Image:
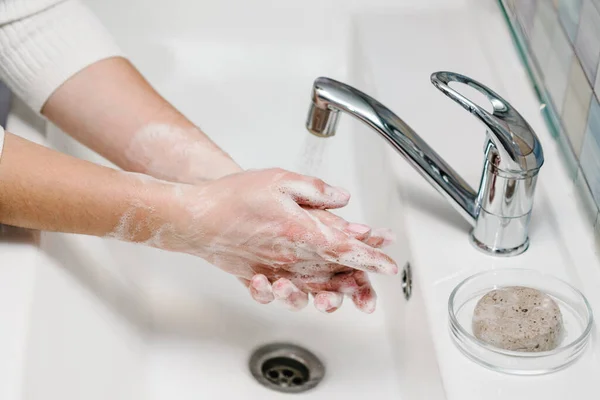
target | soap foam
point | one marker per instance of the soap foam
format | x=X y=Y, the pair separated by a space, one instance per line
x=248 y=224
x=178 y=154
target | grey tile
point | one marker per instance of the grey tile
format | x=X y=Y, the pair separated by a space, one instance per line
x=571 y=163
x=597 y=235
x=576 y=106
x=585 y=198
x=568 y=11
x=544 y=23
x=590 y=152
x=539 y=44
x=525 y=12
x=547 y=13
x=557 y=68
x=597 y=83
x=587 y=44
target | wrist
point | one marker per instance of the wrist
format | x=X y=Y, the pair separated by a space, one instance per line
x=215 y=164
x=148 y=207
x=178 y=153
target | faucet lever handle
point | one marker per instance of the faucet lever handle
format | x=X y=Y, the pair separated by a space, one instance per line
x=519 y=148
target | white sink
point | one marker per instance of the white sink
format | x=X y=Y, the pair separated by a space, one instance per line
x=113 y=320
x=119 y=321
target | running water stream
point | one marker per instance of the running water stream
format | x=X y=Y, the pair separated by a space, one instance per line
x=311 y=159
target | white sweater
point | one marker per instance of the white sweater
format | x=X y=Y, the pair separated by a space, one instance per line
x=44 y=42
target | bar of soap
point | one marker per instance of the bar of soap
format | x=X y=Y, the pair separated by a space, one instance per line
x=518 y=318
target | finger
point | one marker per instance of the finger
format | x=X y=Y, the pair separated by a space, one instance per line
x=381 y=238
x=364 y=297
x=375 y=241
x=358 y=255
x=313 y=192
x=292 y=297
x=342 y=282
x=260 y=289
x=357 y=231
x=328 y=302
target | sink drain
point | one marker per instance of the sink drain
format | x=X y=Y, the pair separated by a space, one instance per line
x=286 y=368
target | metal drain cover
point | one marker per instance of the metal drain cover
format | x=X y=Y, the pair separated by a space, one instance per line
x=286 y=367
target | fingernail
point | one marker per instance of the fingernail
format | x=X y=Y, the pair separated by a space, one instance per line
x=322 y=304
x=260 y=289
x=328 y=302
x=260 y=283
x=263 y=297
x=343 y=191
x=389 y=268
x=297 y=300
x=365 y=299
x=283 y=289
x=369 y=307
x=337 y=191
x=359 y=229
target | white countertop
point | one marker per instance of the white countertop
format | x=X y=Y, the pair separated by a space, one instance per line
x=476 y=42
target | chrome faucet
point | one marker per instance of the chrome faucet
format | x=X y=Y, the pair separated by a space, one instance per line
x=500 y=211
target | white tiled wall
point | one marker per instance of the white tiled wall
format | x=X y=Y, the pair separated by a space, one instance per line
x=563 y=43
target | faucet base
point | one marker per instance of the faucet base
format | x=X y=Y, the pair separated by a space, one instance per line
x=498 y=252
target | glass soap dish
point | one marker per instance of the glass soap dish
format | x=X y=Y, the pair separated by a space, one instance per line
x=575 y=309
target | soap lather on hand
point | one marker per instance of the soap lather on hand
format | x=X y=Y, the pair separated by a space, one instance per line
x=518 y=318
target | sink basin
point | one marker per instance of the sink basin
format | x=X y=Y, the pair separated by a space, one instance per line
x=98 y=319
x=120 y=321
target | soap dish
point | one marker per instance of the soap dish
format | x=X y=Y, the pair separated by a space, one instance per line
x=575 y=309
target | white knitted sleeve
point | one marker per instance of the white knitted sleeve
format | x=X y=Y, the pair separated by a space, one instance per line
x=45 y=42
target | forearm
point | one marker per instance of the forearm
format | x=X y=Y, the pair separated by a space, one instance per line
x=112 y=109
x=60 y=60
x=47 y=190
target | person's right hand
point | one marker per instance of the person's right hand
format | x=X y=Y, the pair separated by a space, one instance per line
x=328 y=293
x=259 y=222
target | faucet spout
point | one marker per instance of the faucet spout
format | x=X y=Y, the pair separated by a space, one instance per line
x=330 y=97
x=500 y=210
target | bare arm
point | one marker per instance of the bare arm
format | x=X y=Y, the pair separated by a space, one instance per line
x=59 y=58
x=112 y=109
x=43 y=189
x=71 y=71
x=254 y=235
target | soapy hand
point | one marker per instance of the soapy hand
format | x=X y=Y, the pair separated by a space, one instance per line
x=328 y=289
x=247 y=224
x=272 y=223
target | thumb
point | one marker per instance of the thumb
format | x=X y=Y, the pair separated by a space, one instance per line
x=313 y=192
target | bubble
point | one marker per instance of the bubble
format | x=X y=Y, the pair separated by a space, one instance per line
x=170 y=152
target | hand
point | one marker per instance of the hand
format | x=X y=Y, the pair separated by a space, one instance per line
x=146 y=134
x=328 y=289
x=256 y=223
